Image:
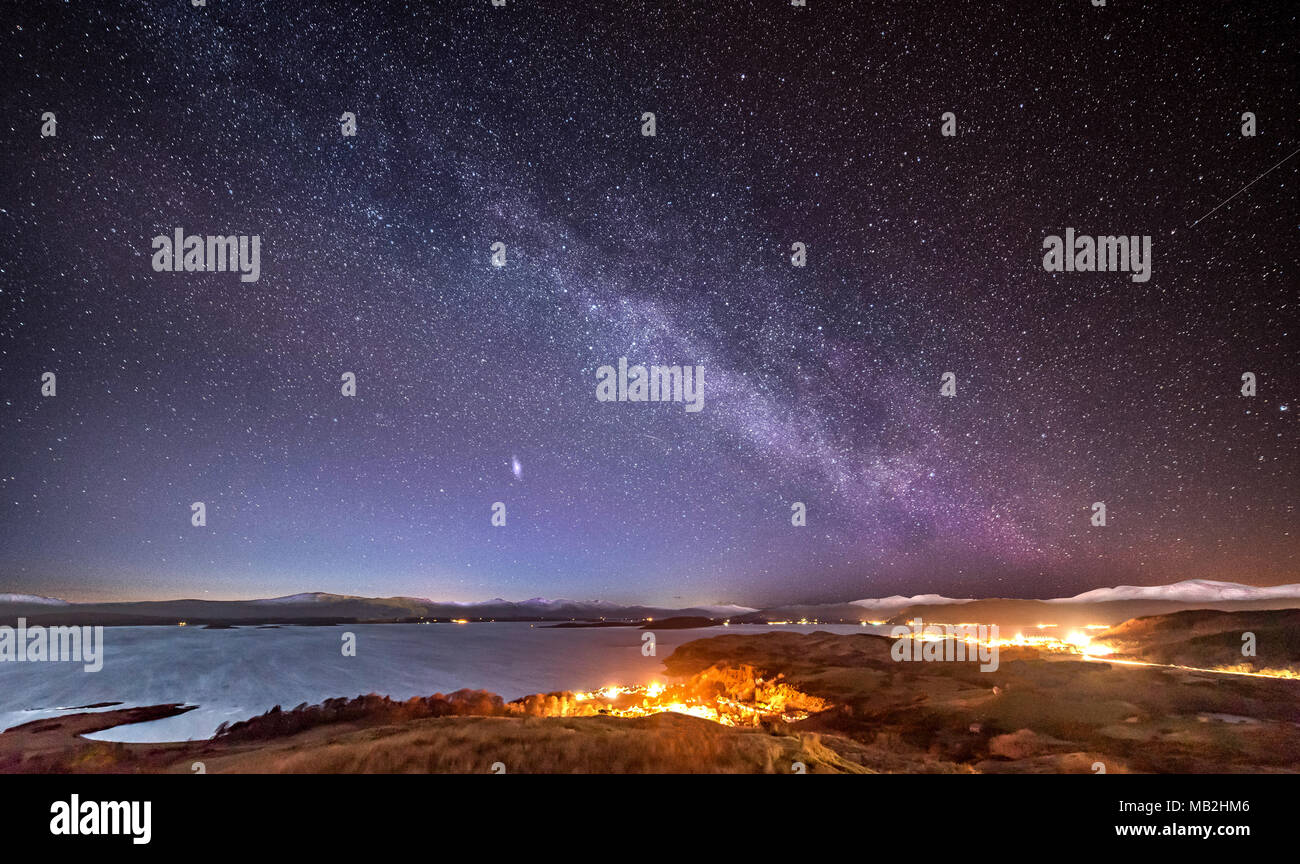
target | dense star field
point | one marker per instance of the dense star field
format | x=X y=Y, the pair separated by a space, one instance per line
x=476 y=383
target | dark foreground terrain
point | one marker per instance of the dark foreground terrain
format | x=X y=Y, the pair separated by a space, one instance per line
x=1038 y=712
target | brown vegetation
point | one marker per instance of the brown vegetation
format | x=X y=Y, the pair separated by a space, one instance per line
x=1035 y=713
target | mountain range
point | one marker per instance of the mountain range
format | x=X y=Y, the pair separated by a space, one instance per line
x=322 y=608
x=1100 y=606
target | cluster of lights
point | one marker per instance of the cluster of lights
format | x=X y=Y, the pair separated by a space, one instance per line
x=656 y=698
x=1075 y=642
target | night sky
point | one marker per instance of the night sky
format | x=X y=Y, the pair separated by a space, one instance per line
x=476 y=383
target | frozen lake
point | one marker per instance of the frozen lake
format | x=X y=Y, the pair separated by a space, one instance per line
x=236 y=674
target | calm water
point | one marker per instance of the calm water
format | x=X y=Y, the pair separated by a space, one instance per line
x=236 y=674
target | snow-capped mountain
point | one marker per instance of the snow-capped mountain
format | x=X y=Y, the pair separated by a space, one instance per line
x=318 y=607
x=1189 y=591
x=1103 y=605
x=898 y=601
x=33 y=599
x=309 y=597
x=727 y=610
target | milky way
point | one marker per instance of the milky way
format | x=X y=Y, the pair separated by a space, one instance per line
x=522 y=125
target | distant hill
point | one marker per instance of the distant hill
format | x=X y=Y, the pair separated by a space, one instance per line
x=1209 y=639
x=321 y=608
x=1107 y=606
x=1012 y=615
x=1104 y=606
